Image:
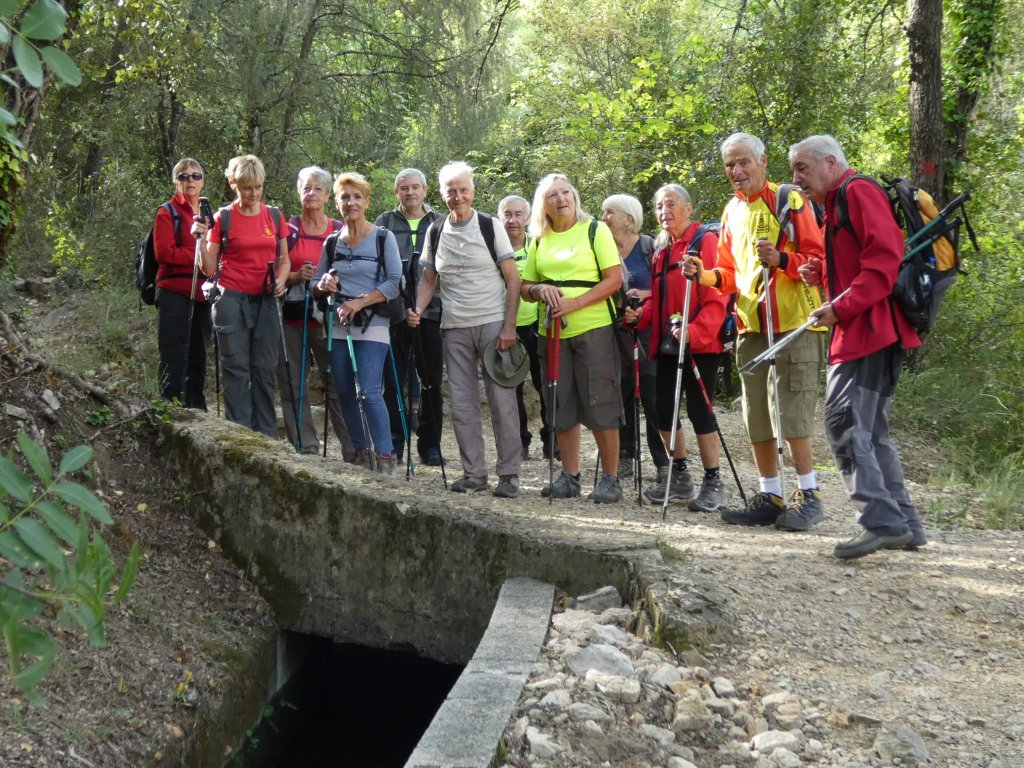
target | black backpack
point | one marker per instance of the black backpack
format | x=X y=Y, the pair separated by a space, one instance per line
x=922 y=280
x=394 y=309
x=486 y=230
x=146 y=265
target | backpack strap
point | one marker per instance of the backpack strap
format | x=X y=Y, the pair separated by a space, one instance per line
x=176 y=219
x=487 y=230
x=382 y=235
x=647 y=249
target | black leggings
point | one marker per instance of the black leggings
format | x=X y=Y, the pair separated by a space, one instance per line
x=696 y=409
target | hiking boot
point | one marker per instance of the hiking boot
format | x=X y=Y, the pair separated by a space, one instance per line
x=431 y=457
x=873 y=540
x=920 y=538
x=566 y=486
x=680 y=490
x=364 y=459
x=507 y=487
x=470 y=484
x=710 y=498
x=607 y=491
x=625 y=466
x=548 y=449
x=386 y=464
x=524 y=455
x=763 y=509
x=803 y=512
x=663 y=473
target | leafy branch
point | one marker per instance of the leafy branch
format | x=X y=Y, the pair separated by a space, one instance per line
x=51 y=560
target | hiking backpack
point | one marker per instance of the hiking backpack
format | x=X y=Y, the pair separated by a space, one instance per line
x=931 y=259
x=146 y=265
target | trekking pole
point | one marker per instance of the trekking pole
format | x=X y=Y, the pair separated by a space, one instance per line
x=329 y=318
x=777 y=416
x=426 y=385
x=268 y=286
x=683 y=326
x=204 y=212
x=401 y=415
x=304 y=362
x=553 y=341
x=721 y=437
x=360 y=398
x=773 y=350
x=637 y=477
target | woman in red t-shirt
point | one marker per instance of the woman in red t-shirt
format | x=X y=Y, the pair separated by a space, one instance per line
x=303 y=334
x=183 y=316
x=247 y=253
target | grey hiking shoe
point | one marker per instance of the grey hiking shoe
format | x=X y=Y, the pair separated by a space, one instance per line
x=386 y=464
x=608 y=490
x=625 y=466
x=365 y=459
x=507 y=487
x=803 y=512
x=566 y=486
x=680 y=490
x=763 y=509
x=470 y=484
x=710 y=498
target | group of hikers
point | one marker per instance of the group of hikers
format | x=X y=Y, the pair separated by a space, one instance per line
x=605 y=321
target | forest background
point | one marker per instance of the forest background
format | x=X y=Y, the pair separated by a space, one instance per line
x=621 y=97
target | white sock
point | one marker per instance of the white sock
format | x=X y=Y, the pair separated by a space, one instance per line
x=770 y=485
x=808 y=482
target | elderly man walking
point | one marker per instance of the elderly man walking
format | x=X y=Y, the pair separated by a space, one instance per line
x=771 y=230
x=408 y=221
x=867 y=346
x=468 y=260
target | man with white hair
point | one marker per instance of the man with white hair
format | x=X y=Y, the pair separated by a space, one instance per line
x=468 y=260
x=408 y=221
x=769 y=226
x=869 y=336
x=514 y=214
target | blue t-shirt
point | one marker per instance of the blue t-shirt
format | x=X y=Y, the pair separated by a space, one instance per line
x=639 y=272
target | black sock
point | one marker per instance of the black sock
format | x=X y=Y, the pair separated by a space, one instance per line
x=711 y=473
x=679 y=465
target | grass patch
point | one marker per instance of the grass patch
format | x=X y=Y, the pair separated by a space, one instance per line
x=670 y=552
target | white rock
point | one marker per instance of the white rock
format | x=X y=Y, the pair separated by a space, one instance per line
x=773 y=700
x=661 y=735
x=16 y=412
x=896 y=741
x=601 y=600
x=723 y=707
x=574 y=622
x=519 y=729
x=50 y=400
x=609 y=634
x=548 y=682
x=665 y=676
x=558 y=699
x=690 y=715
x=589 y=726
x=603 y=658
x=678 y=762
x=581 y=710
x=783 y=758
x=542 y=745
x=624 y=689
x=724 y=688
x=769 y=741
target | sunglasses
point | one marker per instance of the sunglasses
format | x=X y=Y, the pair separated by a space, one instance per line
x=186 y=176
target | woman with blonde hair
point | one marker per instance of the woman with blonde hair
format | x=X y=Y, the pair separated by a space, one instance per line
x=573 y=267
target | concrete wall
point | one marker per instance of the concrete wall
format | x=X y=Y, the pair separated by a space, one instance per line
x=364 y=559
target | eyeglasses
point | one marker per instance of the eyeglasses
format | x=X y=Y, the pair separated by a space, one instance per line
x=196 y=176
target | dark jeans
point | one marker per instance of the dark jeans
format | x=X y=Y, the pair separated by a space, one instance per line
x=172 y=333
x=528 y=335
x=648 y=399
x=425 y=347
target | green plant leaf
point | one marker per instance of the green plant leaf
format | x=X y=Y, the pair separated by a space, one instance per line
x=75 y=459
x=35 y=643
x=83 y=498
x=62 y=65
x=28 y=61
x=131 y=570
x=5 y=36
x=39 y=539
x=36 y=458
x=14 y=481
x=6 y=118
x=14 y=549
x=9 y=7
x=60 y=522
x=44 y=21
x=103 y=569
x=17 y=604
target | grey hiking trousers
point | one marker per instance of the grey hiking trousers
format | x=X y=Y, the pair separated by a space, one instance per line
x=858 y=396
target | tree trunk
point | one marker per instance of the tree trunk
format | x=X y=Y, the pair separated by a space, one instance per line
x=298 y=76
x=927 y=130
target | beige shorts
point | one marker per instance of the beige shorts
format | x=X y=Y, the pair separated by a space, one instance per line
x=588 y=381
x=799 y=366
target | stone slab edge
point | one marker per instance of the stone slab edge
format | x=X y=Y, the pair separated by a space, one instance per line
x=467 y=729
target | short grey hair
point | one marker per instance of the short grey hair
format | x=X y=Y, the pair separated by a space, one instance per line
x=819 y=147
x=675 y=189
x=454 y=170
x=407 y=172
x=628 y=205
x=316 y=173
x=752 y=143
x=507 y=201
x=540 y=224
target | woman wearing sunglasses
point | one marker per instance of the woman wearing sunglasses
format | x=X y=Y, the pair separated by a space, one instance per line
x=179 y=296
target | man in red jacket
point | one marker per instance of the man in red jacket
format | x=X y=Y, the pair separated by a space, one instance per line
x=869 y=337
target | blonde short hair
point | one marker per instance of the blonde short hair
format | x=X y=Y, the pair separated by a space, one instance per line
x=351 y=179
x=245 y=169
x=540 y=224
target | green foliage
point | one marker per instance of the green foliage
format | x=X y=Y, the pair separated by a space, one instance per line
x=53 y=558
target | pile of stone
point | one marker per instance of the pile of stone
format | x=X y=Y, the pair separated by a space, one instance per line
x=600 y=696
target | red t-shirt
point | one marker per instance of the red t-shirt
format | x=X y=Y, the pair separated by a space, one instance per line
x=252 y=242
x=308 y=247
